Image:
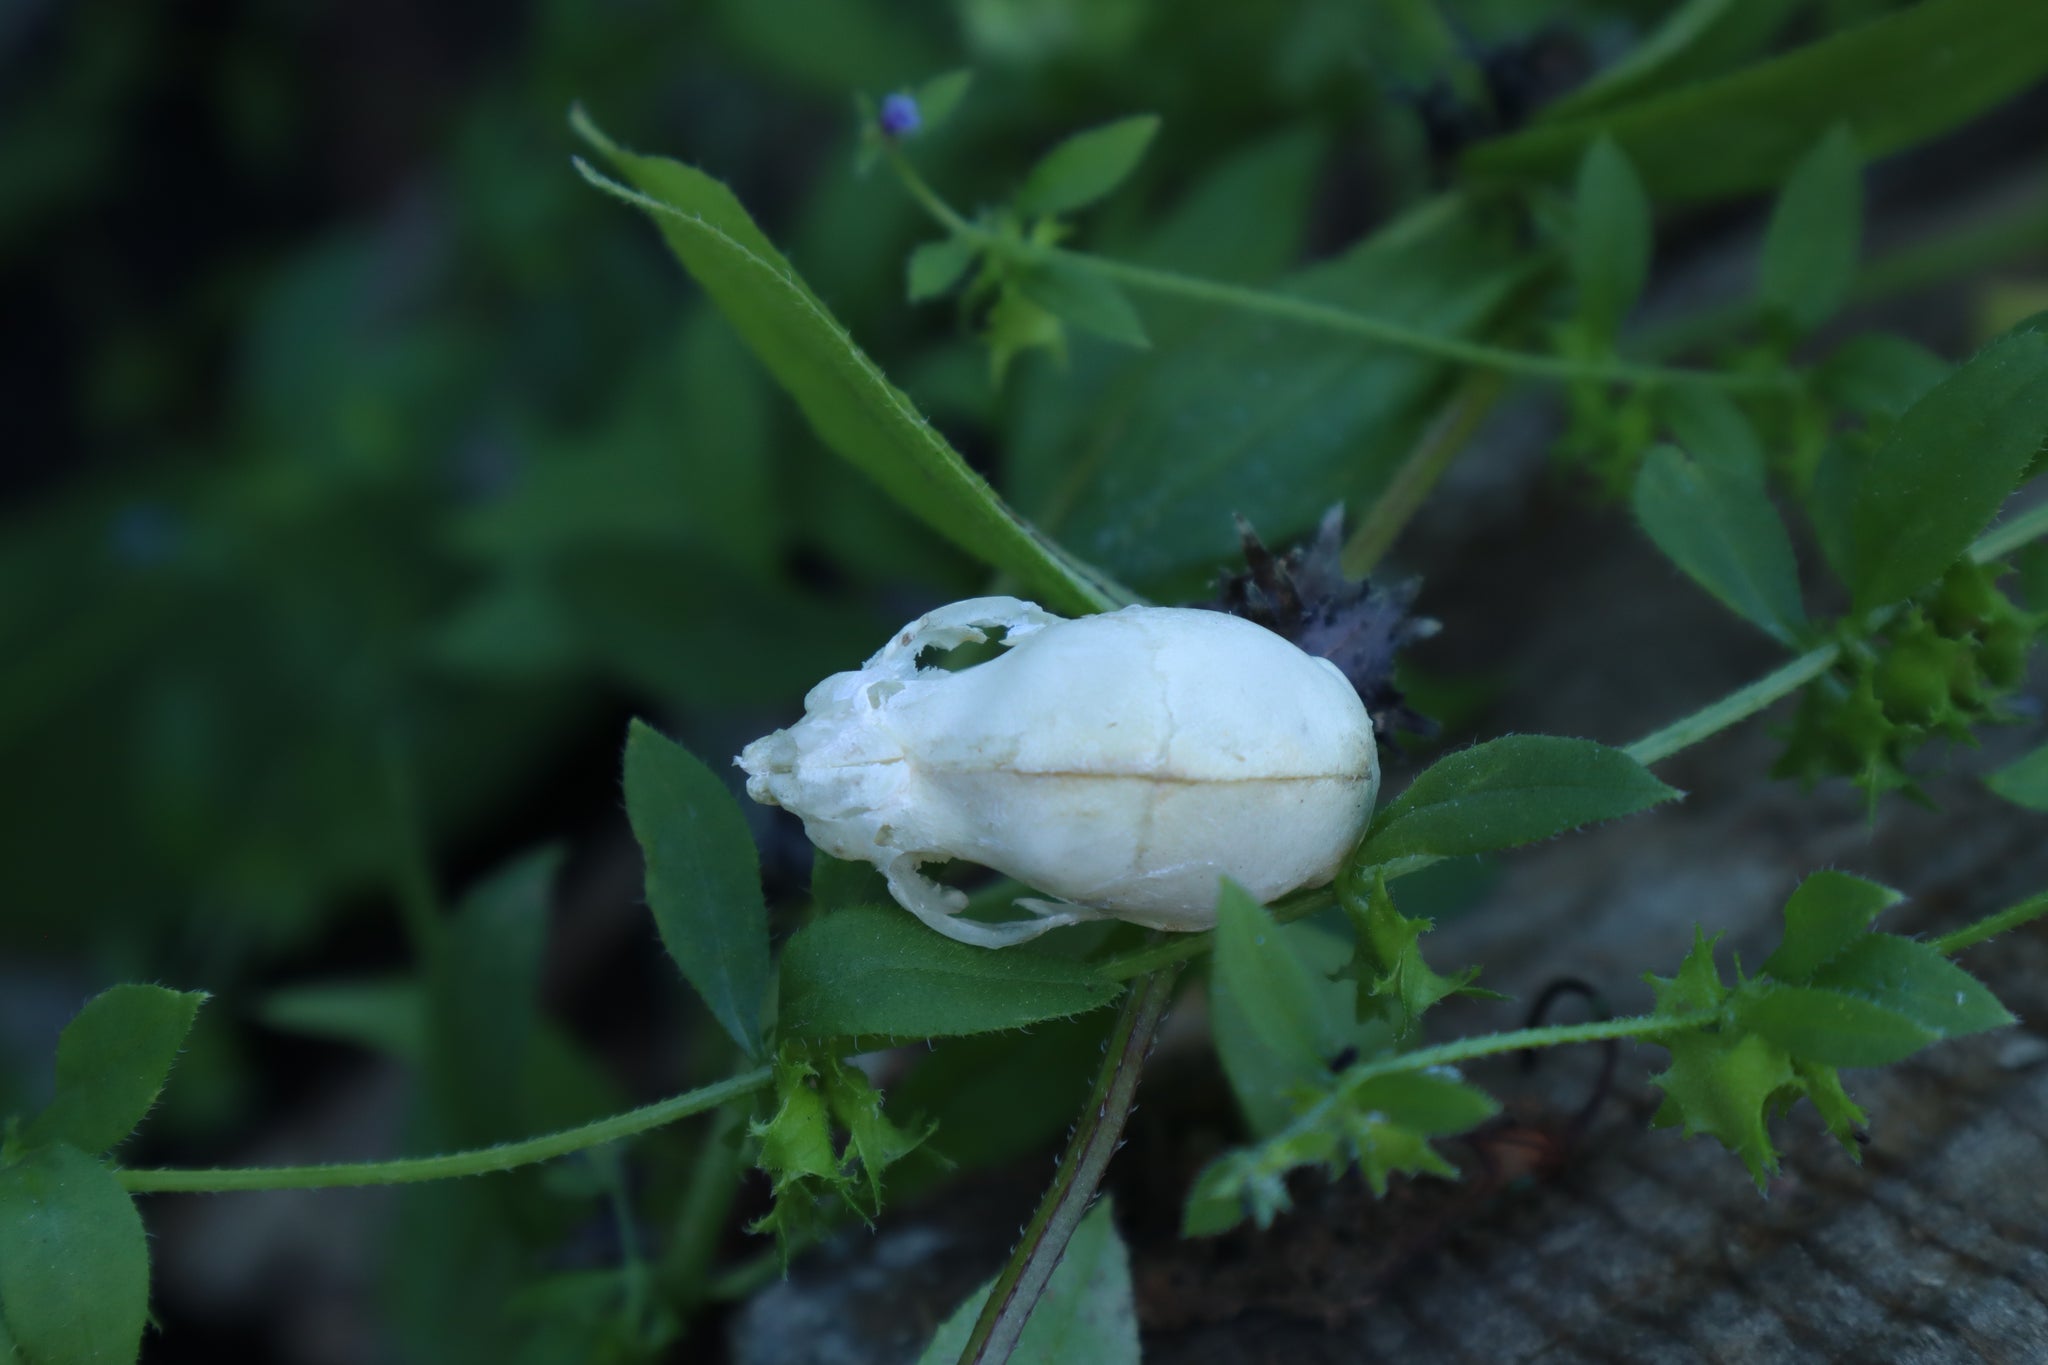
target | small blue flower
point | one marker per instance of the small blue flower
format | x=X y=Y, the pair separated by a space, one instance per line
x=899 y=116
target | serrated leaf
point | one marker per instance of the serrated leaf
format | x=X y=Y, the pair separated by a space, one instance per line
x=1721 y=1085
x=1833 y=1028
x=875 y=972
x=1270 y=1036
x=703 y=879
x=1947 y=467
x=1510 y=791
x=938 y=97
x=1611 y=236
x=1815 y=235
x=1722 y=530
x=1085 y=1314
x=872 y=1140
x=937 y=266
x=1395 y=984
x=2025 y=782
x=1896 y=80
x=1086 y=166
x=112 y=1061
x=1708 y=426
x=1085 y=299
x=1823 y=1085
x=74 y=1263
x=1917 y=981
x=1825 y=914
x=851 y=405
x=1696 y=985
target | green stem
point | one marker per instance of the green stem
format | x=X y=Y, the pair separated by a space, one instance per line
x=481 y=1161
x=1095 y=1140
x=2006 y=920
x=1290 y=308
x=2028 y=526
x=1640 y=1026
x=1738 y=705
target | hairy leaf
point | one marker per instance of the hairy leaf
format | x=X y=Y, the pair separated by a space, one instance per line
x=1611 y=236
x=1947 y=467
x=1510 y=791
x=1828 y=912
x=849 y=402
x=1086 y=1313
x=2025 y=782
x=112 y=1061
x=74 y=1264
x=875 y=972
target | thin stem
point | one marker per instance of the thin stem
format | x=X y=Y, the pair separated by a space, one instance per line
x=1308 y=312
x=1096 y=1138
x=1738 y=705
x=1638 y=1026
x=2006 y=920
x=2029 y=525
x=714 y=1183
x=1425 y=464
x=481 y=1161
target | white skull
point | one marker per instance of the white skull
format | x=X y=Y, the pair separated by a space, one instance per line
x=1122 y=763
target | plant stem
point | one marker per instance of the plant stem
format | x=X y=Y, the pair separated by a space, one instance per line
x=481 y=1161
x=1424 y=465
x=1738 y=705
x=1292 y=308
x=2010 y=918
x=1638 y=1026
x=1095 y=1140
x=2001 y=541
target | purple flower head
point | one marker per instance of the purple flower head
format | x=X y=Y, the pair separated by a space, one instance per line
x=899 y=116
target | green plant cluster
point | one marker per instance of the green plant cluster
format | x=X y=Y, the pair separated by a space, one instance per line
x=363 y=647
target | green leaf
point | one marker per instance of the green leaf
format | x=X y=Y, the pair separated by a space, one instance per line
x=1270 y=1036
x=1699 y=38
x=1708 y=426
x=938 y=97
x=1832 y=1028
x=1895 y=81
x=1085 y=299
x=112 y=1061
x=1271 y=420
x=847 y=400
x=1611 y=237
x=937 y=266
x=836 y=884
x=876 y=972
x=1946 y=468
x=1510 y=791
x=384 y=1013
x=1086 y=1313
x=872 y=1140
x=2024 y=783
x=1696 y=985
x=703 y=880
x=1721 y=1084
x=483 y=997
x=1815 y=236
x=1879 y=374
x=1825 y=914
x=1723 y=531
x=1086 y=166
x=1395 y=985
x=1917 y=981
x=74 y=1263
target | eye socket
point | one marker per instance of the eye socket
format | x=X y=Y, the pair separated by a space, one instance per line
x=881 y=691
